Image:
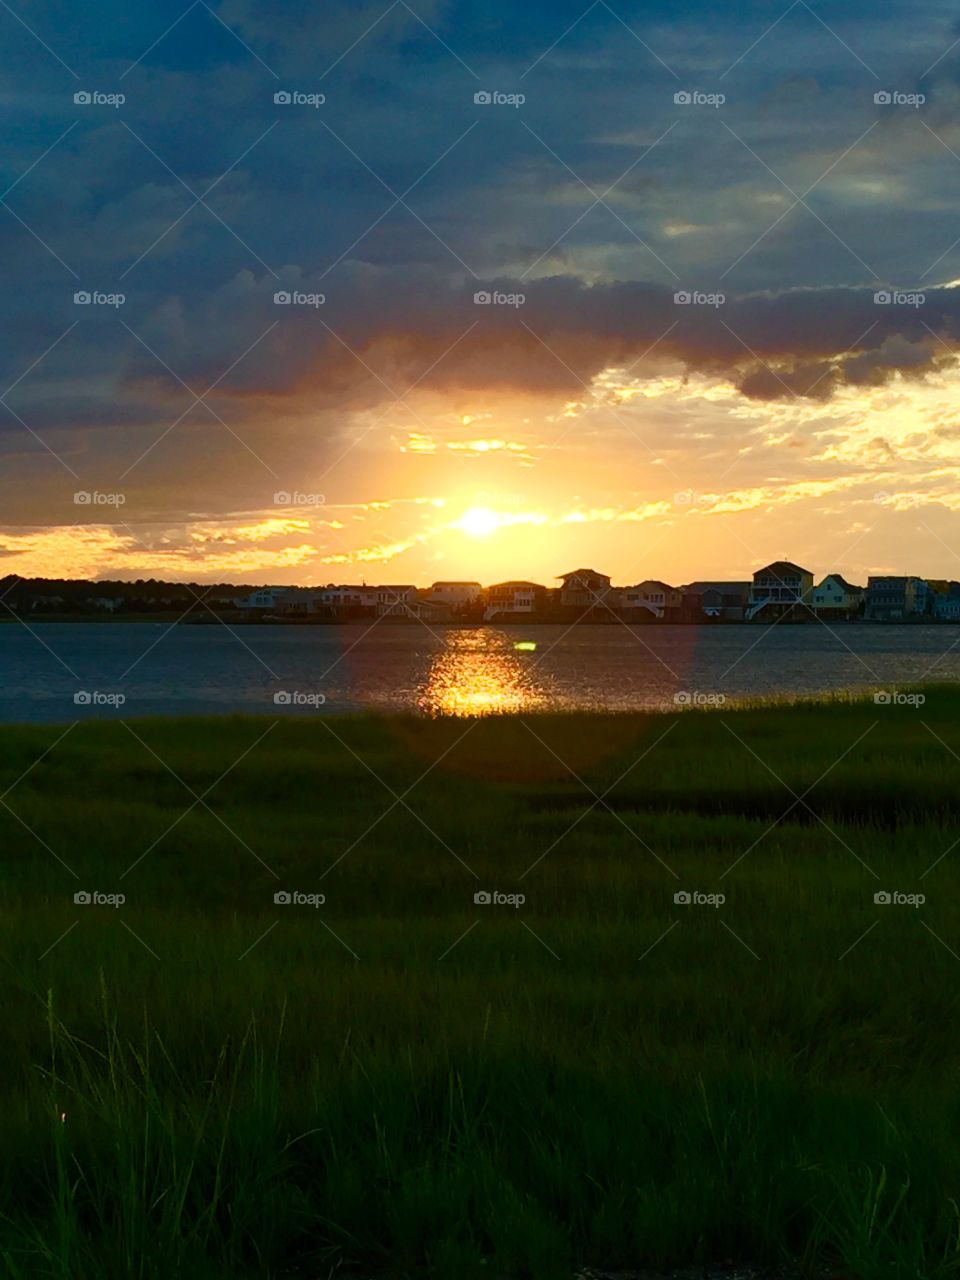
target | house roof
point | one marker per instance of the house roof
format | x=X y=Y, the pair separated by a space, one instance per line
x=456 y=582
x=838 y=577
x=781 y=567
x=517 y=584
x=582 y=573
x=651 y=582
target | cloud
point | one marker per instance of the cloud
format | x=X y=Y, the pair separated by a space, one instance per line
x=402 y=331
x=783 y=375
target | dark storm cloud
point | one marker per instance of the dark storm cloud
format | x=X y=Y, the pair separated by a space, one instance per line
x=800 y=342
x=297 y=198
x=379 y=333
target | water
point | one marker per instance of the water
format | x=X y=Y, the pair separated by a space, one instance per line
x=163 y=669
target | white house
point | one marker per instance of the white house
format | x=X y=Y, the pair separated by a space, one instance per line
x=281 y=600
x=835 y=596
x=346 y=597
x=397 y=601
x=650 y=599
x=265 y=598
x=453 y=593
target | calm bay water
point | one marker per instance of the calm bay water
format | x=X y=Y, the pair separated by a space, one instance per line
x=175 y=670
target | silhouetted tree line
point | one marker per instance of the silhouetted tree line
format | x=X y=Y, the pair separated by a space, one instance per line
x=83 y=596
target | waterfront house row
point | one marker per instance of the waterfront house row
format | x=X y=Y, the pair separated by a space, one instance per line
x=780 y=590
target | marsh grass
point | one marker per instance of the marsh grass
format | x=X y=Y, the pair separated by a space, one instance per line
x=201 y=1083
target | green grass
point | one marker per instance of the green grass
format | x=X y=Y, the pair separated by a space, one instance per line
x=201 y=1083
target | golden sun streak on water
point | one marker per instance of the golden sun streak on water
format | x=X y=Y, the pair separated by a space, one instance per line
x=480 y=673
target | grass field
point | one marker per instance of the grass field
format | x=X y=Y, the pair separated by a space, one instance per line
x=204 y=1083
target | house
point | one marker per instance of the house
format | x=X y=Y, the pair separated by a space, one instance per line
x=278 y=600
x=588 y=596
x=397 y=602
x=650 y=599
x=725 y=601
x=946 y=605
x=943 y=600
x=777 y=588
x=266 y=598
x=298 y=601
x=430 y=611
x=454 y=594
x=449 y=601
x=42 y=603
x=894 y=597
x=345 y=601
x=837 y=598
x=508 y=599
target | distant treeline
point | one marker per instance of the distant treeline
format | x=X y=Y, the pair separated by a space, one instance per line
x=82 y=595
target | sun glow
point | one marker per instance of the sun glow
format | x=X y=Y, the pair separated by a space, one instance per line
x=480 y=522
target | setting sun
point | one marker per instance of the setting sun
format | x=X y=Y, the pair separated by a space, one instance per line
x=480 y=522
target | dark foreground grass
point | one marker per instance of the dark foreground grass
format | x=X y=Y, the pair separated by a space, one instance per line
x=203 y=1083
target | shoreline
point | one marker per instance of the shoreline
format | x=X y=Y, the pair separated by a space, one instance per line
x=865 y=696
x=178 y=618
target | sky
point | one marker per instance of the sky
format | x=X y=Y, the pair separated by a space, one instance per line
x=403 y=292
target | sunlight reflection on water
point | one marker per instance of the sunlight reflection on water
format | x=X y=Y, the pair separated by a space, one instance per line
x=481 y=673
